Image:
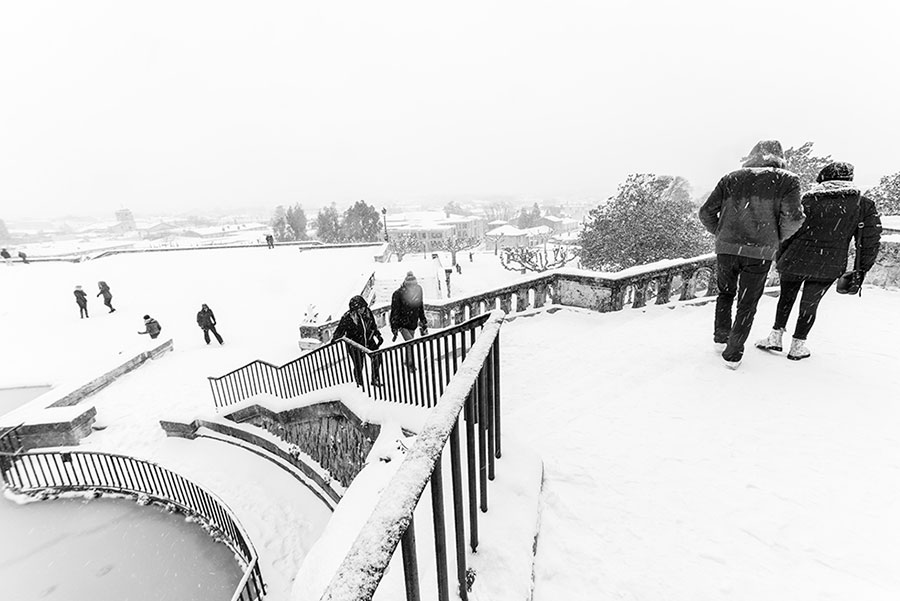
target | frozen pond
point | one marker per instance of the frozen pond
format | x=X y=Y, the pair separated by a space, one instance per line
x=11 y=398
x=78 y=550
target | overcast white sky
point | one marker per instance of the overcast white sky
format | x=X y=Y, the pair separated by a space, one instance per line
x=176 y=105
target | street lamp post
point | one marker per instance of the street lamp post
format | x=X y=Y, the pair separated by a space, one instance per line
x=384 y=218
x=448 y=271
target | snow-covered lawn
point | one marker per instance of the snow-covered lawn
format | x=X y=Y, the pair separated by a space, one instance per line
x=670 y=477
x=667 y=476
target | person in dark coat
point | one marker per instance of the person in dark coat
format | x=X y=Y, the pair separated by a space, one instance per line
x=81 y=300
x=750 y=212
x=815 y=256
x=270 y=240
x=151 y=326
x=207 y=322
x=407 y=313
x=107 y=295
x=5 y=254
x=358 y=324
x=23 y=256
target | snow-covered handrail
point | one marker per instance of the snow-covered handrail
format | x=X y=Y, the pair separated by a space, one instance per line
x=474 y=386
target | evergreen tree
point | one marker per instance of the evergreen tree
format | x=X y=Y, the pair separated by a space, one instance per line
x=296 y=220
x=650 y=218
x=328 y=226
x=887 y=194
x=361 y=223
x=805 y=164
x=280 y=225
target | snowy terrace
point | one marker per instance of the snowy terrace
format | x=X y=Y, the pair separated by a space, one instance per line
x=665 y=476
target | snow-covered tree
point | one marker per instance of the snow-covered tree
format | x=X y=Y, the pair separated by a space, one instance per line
x=536 y=259
x=805 y=164
x=280 y=225
x=296 y=220
x=361 y=223
x=405 y=244
x=454 y=244
x=887 y=194
x=649 y=219
x=328 y=225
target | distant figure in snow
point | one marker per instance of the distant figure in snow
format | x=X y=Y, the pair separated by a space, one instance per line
x=470 y=256
x=207 y=322
x=814 y=257
x=151 y=326
x=459 y=269
x=6 y=256
x=107 y=295
x=358 y=324
x=270 y=240
x=81 y=300
x=408 y=312
x=23 y=256
x=751 y=212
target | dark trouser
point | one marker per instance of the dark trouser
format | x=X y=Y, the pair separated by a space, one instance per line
x=107 y=300
x=744 y=278
x=358 y=358
x=82 y=310
x=212 y=329
x=813 y=291
x=408 y=359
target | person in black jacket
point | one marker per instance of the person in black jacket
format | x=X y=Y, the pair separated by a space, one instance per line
x=5 y=254
x=207 y=322
x=107 y=295
x=814 y=257
x=358 y=324
x=151 y=326
x=81 y=300
x=750 y=212
x=407 y=313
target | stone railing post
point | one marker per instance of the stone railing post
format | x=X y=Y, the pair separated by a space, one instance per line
x=640 y=293
x=540 y=292
x=664 y=288
x=713 y=288
x=521 y=300
x=687 y=287
x=505 y=304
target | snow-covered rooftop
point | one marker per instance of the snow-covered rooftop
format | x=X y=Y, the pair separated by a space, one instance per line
x=511 y=230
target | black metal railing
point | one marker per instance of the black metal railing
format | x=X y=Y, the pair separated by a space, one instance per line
x=414 y=372
x=473 y=395
x=79 y=470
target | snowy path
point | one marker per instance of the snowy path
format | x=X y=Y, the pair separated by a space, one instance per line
x=670 y=477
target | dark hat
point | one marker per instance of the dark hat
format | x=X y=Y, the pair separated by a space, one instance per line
x=358 y=302
x=410 y=277
x=146 y=317
x=836 y=170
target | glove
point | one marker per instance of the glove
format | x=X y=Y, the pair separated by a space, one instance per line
x=423 y=330
x=394 y=339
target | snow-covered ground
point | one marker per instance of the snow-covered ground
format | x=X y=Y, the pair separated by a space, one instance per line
x=666 y=475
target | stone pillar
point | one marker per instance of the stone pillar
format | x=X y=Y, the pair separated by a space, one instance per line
x=640 y=294
x=687 y=285
x=664 y=288
x=521 y=299
x=540 y=292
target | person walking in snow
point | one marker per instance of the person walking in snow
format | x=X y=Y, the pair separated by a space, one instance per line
x=23 y=256
x=358 y=324
x=270 y=241
x=814 y=257
x=751 y=212
x=207 y=322
x=151 y=327
x=107 y=295
x=81 y=300
x=408 y=312
x=6 y=256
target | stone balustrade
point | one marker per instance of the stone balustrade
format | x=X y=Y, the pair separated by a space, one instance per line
x=657 y=283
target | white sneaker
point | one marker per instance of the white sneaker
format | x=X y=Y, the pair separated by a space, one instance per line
x=731 y=364
x=798 y=350
x=772 y=343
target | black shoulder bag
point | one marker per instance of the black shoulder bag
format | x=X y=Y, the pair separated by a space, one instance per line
x=851 y=281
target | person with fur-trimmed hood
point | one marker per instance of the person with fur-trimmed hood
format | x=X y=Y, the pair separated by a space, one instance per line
x=358 y=324
x=151 y=327
x=81 y=301
x=750 y=212
x=206 y=319
x=407 y=313
x=814 y=257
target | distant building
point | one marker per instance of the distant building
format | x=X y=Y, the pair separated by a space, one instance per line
x=509 y=236
x=125 y=221
x=434 y=228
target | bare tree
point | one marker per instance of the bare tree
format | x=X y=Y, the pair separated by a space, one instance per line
x=454 y=244
x=405 y=244
x=536 y=259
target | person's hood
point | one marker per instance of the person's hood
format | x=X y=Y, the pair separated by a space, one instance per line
x=835 y=188
x=766 y=153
